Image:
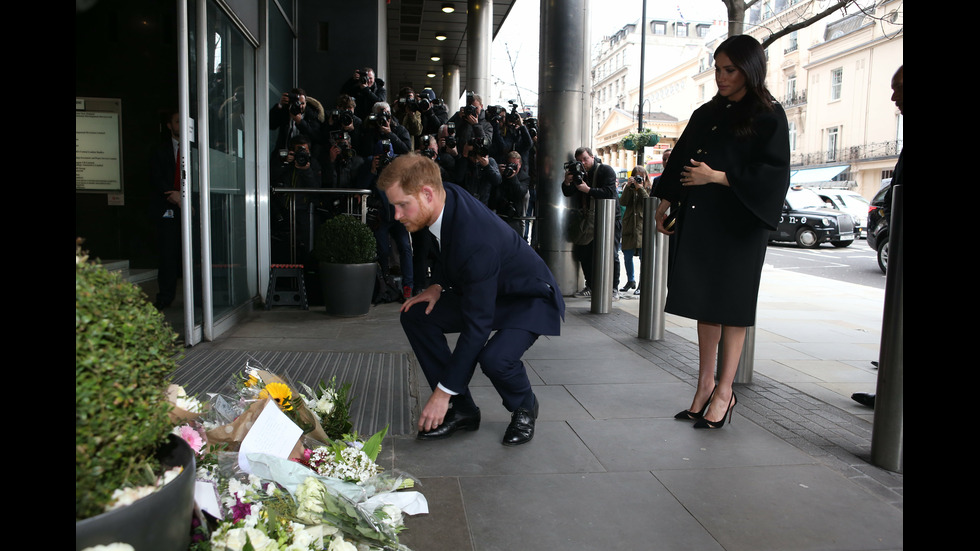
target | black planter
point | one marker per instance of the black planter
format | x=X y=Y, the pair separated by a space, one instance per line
x=160 y=521
x=347 y=288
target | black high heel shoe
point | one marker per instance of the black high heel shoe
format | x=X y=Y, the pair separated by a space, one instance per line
x=688 y=415
x=705 y=424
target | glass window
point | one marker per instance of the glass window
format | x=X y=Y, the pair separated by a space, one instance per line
x=836 y=82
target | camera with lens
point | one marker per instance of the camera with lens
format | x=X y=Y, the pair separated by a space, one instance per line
x=513 y=117
x=378 y=119
x=479 y=146
x=426 y=150
x=532 y=125
x=385 y=157
x=301 y=157
x=295 y=106
x=451 y=137
x=469 y=110
x=360 y=77
x=577 y=170
x=509 y=170
x=343 y=118
x=494 y=113
x=411 y=104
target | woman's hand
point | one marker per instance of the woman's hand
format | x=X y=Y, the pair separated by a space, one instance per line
x=660 y=215
x=697 y=173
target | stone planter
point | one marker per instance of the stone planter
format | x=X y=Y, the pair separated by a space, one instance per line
x=347 y=288
x=160 y=521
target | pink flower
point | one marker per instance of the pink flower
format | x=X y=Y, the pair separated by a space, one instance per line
x=191 y=436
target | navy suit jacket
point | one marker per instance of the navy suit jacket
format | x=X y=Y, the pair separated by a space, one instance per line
x=500 y=282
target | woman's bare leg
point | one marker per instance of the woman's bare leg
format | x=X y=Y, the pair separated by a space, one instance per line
x=732 y=340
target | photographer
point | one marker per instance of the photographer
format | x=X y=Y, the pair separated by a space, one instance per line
x=407 y=114
x=587 y=180
x=476 y=171
x=470 y=121
x=380 y=125
x=635 y=191
x=434 y=112
x=295 y=115
x=296 y=169
x=509 y=134
x=343 y=165
x=381 y=219
x=511 y=198
x=341 y=119
x=366 y=91
x=429 y=146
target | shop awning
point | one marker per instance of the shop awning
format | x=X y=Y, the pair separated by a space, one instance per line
x=822 y=174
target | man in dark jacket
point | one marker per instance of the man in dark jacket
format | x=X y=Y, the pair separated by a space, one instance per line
x=366 y=91
x=599 y=183
x=486 y=280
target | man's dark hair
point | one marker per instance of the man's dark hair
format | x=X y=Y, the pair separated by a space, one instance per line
x=298 y=139
x=298 y=91
x=581 y=150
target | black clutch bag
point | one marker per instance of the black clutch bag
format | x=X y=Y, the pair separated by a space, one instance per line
x=670 y=221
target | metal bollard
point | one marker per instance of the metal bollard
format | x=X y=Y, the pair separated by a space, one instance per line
x=653 y=276
x=603 y=249
x=888 y=431
x=746 y=362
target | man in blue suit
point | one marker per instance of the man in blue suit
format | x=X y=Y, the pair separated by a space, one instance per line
x=485 y=279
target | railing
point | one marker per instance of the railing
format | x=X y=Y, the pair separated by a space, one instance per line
x=351 y=208
x=794 y=99
x=852 y=154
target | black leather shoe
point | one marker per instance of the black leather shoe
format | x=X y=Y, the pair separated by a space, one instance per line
x=864 y=398
x=452 y=423
x=521 y=427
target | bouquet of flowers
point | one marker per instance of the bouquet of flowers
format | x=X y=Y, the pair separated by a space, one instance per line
x=331 y=406
x=233 y=416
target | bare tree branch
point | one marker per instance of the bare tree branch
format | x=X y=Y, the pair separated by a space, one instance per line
x=805 y=23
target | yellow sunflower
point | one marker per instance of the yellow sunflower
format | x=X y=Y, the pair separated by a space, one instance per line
x=280 y=393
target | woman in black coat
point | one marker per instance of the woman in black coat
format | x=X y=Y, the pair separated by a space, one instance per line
x=726 y=179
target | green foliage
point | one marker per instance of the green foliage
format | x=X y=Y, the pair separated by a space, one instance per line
x=123 y=354
x=337 y=423
x=636 y=141
x=345 y=240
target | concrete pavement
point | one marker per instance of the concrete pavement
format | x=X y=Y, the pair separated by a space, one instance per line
x=609 y=467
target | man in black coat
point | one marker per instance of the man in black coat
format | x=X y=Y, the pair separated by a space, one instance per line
x=366 y=90
x=599 y=183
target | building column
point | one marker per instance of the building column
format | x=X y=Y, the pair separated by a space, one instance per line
x=479 y=35
x=450 y=87
x=564 y=112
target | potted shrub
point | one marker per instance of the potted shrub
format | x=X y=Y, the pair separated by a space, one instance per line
x=346 y=252
x=124 y=353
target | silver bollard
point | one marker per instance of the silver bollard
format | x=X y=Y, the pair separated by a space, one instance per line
x=603 y=250
x=888 y=431
x=746 y=362
x=653 y=276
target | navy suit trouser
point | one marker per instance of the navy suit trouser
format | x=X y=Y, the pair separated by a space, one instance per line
x=500 y=358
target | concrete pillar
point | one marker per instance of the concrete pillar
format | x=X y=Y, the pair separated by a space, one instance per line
x=479 y=35
x=450 y=87
x=563 y=87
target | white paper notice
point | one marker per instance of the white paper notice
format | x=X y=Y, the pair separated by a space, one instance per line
x=272 y=433
x=206 y=497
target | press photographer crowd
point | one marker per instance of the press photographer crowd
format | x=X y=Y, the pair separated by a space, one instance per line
x=487 y=150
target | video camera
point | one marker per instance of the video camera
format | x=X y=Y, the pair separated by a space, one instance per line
x=577 y=170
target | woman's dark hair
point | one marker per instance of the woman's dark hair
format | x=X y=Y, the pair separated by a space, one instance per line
x=747 y=55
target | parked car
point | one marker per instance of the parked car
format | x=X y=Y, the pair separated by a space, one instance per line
x=878 y=214
x=808 y=221
x=850 y=202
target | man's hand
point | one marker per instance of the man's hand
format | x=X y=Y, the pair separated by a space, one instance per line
x=583 y=187
x=434 y=412
x=173 y=196
x=431 y=295
x=284 y=100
